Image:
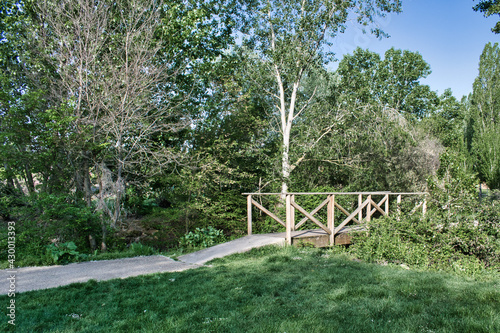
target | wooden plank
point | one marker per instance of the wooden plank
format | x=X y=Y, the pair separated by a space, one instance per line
x=331 y=193
x=343 y=239
x=369 y=209
x=398 y=203
x=274 y=217
x=377 y=206
x=288 y=219
x=416 y=207
x=351 y=217
x=346 y=212
x=312 y=218
x=387 y=204
x=331 y=218
x=288 y=209
x=304 y=220
x=320 y=238
x=249 y=214
x=292 y=214
x=360 y=202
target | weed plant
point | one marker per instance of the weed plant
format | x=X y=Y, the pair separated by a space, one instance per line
x=202 y=238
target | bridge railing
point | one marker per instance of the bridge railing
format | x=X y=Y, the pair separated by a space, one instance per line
x=366 y=208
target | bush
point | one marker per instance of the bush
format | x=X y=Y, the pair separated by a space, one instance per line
x=465 y=242
x=139 y=249
x=45 y=219
x=459 y=233
x=202 y=238
x=9 y=199
x=63 y=253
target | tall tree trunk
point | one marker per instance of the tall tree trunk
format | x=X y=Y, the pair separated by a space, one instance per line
x=119 y=194
x=86 y=182
x=285 y=164
x=18 y=186
x=104 y=248
x=102 y=206
x=29 y=179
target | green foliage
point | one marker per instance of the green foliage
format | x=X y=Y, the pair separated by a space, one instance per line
x=138 y=203
x=61 y=217
x=365 y=79
x=48 y=219
x=63 y=253
x=202 y=238
x=447 y=121
x=453 y=185
x=488 y=8
x=457 y=244
x=484 y=118
x=458 y=233
x=9 y=200
x=139 y=249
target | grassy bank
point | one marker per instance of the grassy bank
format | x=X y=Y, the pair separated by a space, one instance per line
x=268 y=290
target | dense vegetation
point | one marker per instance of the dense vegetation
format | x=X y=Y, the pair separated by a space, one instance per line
x=143 y=121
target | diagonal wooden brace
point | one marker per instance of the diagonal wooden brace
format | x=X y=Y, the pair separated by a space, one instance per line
x=312 y=218
x=304 y=220
x=351 y=217
x=274 y=217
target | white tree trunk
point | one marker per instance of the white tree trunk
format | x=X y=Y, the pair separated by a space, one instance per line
x=285 y=164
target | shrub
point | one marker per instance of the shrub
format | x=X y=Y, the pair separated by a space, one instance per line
x=139 y=249
x=465 y=242
x=45 y=219
x=202 y=238
x=9 y=200
x=63 y=253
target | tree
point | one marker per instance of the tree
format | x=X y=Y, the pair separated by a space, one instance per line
x=392 y=82
x=447 y=121
x=122 y=71
x=376 y=142
x=293 y=37
x=484 y=118
x=488 y=8
x=27 y=144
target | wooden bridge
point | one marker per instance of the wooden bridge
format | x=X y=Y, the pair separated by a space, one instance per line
x=352 y=219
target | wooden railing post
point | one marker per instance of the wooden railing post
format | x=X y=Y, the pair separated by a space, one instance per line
x=369 y=209
x=292 y=214
x=288 y=219
x=398 y=202
x=387 y=204
x=424 y=206
x=331 y=218
x=360 y=202
x=249 y=214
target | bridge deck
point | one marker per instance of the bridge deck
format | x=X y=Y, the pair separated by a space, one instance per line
x=318 y=237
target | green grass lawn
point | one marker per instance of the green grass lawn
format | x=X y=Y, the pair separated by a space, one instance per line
x=268 y=290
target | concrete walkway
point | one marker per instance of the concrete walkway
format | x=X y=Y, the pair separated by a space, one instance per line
x=35 y=278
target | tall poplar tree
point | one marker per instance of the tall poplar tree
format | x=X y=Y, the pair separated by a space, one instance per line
x=484 y=121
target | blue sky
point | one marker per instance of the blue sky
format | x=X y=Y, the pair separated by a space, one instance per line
x=447 y=33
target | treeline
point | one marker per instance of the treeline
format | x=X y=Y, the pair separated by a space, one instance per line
x=111 y=110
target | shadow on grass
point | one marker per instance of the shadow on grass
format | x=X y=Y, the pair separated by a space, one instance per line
x=268 y=290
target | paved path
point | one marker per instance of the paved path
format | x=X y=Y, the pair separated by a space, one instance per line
x=34 y=278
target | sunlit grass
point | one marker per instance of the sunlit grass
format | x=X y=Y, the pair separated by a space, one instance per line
x=268 y=290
